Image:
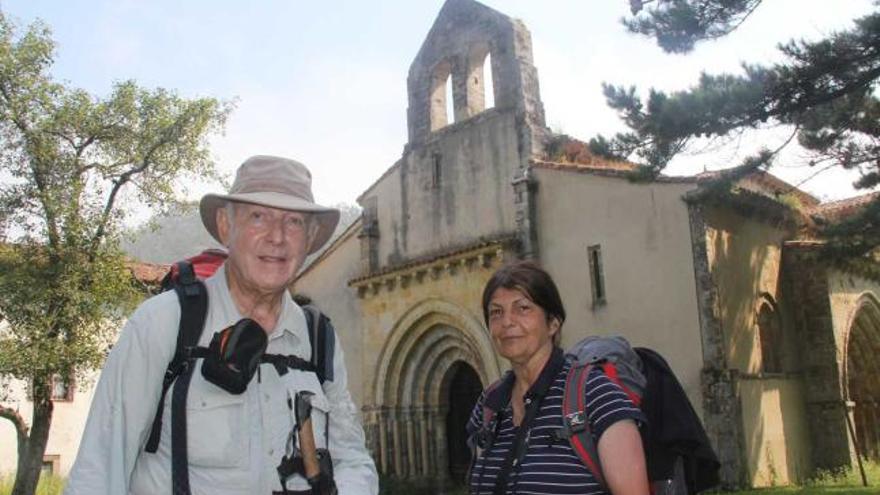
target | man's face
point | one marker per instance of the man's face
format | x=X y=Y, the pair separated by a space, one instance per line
x=266 y=246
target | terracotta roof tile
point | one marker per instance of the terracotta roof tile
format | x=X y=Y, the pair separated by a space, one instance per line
x=836 y=210
x=148 y=273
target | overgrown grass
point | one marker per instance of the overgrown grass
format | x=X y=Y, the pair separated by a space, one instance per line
x=850 y=477
x=848 y=482
x=49 y=485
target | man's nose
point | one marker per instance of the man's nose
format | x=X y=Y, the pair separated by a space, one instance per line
x=276 y=231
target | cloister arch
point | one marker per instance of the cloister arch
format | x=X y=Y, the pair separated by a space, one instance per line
x=862 y=373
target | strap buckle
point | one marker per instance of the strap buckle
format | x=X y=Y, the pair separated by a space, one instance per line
x=573 y=424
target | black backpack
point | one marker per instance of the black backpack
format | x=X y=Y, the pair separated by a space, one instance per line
x=193 y=297
x=680 y=460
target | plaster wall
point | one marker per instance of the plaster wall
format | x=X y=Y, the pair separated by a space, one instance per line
x=68 y=422
x=647 y=259
x=744 y=259
x=326 y=283
x=777 y=447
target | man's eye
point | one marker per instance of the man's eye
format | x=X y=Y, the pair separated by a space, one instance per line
x=524 y=308
x=494 y=313
x=294 y=222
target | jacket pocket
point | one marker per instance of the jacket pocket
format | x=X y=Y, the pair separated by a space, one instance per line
x=216 y=427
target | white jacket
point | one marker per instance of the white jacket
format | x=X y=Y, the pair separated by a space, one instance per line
x=235 y=442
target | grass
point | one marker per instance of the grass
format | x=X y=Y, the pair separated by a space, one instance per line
x=846 y=483
x=48 y=485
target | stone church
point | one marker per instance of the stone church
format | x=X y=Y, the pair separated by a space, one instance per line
x=777 y=350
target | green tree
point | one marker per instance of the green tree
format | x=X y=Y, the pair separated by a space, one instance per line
x=73 y=166
x=825 y=91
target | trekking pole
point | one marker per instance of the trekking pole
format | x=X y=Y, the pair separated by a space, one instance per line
x=311 y=466
x=319 y=479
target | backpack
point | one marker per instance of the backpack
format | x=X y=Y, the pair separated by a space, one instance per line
x=679 y=457
x=185 y=278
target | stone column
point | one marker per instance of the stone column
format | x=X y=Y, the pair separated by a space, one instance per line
x=424 y=441
x=382 y=429
x=373 y=432
x=397 y=441
x=411 y=452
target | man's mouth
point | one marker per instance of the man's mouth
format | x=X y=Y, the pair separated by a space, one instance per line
x=272 y=259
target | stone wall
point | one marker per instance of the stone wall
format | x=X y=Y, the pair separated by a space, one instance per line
x=806 y=280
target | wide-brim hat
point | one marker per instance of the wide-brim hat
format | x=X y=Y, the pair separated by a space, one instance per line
x=276 y=183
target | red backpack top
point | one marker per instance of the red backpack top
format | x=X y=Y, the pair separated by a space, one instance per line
x=203 y=264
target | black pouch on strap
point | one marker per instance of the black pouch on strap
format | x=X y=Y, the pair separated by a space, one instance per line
x=234 y=356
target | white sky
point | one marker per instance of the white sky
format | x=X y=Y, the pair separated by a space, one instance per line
x=325 y=82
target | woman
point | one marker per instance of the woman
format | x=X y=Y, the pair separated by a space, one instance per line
x=524 y=313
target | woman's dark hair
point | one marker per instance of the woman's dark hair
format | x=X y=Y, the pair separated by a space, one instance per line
x=531 y=280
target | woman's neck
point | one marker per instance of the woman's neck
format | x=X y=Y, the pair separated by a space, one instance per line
x=527 y=373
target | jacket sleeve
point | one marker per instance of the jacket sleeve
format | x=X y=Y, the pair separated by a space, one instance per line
x=353 y=468
x=124 y=402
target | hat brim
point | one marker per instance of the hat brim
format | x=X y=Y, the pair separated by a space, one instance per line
x=326 y=217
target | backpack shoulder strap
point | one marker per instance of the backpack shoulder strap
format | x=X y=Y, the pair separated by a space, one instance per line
x=193 y=298
x=495 y=397
x=575 y=421
x=322 y=338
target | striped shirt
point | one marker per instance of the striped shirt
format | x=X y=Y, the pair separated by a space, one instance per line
x=549 y=466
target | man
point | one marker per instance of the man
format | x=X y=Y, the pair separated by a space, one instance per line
x=268 y=223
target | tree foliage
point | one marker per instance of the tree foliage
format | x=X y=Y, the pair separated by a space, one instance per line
x=73 y=165
x=678 y=25
x=825 y=91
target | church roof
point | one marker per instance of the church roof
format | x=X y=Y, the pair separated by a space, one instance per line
x=836 y=210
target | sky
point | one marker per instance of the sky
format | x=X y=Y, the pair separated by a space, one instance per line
x=325 y=82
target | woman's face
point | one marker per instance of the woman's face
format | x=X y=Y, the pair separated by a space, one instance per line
x=518 y=326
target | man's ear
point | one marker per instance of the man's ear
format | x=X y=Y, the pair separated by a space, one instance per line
x=224 y=224
x=312 y=232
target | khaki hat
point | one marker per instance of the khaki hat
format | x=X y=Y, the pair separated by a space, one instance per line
x=277 y=183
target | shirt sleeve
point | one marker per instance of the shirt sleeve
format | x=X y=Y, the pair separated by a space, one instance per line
x=124 y=403
x=607 y=403
x=353 y=469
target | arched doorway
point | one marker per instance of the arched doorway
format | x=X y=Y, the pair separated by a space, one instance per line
x=863 y=375
x=462 y=391
x=433 y=345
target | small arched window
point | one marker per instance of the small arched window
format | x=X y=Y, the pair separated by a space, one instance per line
x=480 y=84
x=770 y=334
x=442 y=113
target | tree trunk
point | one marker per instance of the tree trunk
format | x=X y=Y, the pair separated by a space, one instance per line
x=31 y=462
x=21 y=428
